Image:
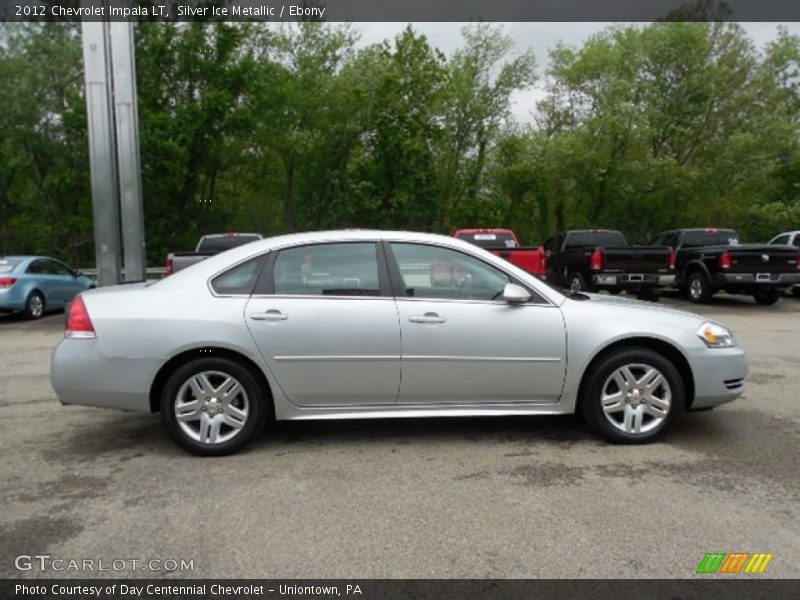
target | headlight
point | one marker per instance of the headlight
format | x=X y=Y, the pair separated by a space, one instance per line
x=715 y=336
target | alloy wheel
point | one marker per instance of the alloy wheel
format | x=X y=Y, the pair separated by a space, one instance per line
x=36 y=306
x=696 y=288
x=211 y=407
x=636 y=398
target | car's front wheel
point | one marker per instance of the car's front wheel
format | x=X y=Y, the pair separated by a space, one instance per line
x=213 y=406
x=632 y=395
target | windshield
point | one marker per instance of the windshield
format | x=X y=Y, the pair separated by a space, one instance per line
x=9 y=264
x=489 y=240
x=225 y=242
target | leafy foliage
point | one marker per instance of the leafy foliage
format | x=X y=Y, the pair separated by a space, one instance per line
x=256 y=128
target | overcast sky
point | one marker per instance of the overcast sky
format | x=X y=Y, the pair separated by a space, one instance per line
x=538 y=37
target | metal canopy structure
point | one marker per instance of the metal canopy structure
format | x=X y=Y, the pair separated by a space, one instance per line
x=113 y=123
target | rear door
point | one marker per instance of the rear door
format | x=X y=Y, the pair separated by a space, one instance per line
x=324 y=319
x=47 y=282
x=462 y=344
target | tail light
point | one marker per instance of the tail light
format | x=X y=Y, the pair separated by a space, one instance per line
x=169 y=270
x=596 y=262
x=725 y=260
x=7 y=282
x=79 y=324
x=673 y=256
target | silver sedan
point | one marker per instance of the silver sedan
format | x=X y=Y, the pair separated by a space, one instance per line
x=370 y=324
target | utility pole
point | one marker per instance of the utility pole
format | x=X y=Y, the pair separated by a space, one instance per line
x=110 y=73
x=128 y=167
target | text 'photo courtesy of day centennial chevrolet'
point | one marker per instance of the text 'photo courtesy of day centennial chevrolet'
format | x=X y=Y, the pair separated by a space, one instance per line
x=372 y=324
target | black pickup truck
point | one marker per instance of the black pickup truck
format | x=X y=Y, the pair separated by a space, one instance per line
x=600 y=259
x=709 y=260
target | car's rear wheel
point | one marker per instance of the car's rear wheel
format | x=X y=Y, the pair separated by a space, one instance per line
x=766 y=296
x=213 y=406
x=698 y=288
x=34 y=306
x=632 y=396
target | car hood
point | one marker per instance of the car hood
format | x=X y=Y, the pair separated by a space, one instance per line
x=639 y=304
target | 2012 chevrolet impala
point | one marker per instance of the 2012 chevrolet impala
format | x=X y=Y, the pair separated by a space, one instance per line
x=370 y=324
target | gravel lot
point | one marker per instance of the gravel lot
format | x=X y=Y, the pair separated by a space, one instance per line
x=494 y=497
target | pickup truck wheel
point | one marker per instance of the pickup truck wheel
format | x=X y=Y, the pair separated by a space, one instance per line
x=796 y=291
x=632 y=396
x=698 y=288
x=766 y=296
x=649 y=296
x=578 y=284
x=213 y=406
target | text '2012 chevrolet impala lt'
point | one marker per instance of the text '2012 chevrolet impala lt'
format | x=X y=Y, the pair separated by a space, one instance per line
x=370 y=324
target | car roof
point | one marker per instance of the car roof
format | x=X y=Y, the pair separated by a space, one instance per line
x=224 y=260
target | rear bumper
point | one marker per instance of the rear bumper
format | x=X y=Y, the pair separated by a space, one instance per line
x=81 y=374
x=11 y=300
x=632 y=280
x=719 y=375
x=775 y=279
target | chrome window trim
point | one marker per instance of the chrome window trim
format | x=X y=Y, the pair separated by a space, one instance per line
x=378 y=240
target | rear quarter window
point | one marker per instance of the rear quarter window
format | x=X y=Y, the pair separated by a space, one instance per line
x=8 y=264
x=238 y=280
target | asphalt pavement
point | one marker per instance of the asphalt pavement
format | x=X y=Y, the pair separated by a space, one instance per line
x=491 y=497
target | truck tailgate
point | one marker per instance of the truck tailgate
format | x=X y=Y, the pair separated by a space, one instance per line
x=756 y=258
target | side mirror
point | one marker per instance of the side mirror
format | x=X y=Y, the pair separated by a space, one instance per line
x=515 y=294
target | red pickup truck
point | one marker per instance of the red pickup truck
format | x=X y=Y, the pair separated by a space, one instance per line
x=504 y=243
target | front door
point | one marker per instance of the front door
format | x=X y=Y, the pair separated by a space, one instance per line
x=462 y=344
x=327 y=325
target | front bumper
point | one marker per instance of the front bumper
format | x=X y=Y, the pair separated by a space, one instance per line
x=632 y=280
x=719 y=375
x=754 y=279
x=81 y=374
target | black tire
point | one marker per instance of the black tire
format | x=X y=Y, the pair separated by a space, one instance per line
x=34 y=306
x=766 y=296
x=576 y=283
x=256 y=398
x=648 y=296
x=698 y=288
x=796 y=291
x=592 y=391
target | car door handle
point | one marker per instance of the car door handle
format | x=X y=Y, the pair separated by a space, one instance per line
x=270 y=315
x=429 y=317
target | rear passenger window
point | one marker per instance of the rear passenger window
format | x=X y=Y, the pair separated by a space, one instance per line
x=238 y=280
x=349 y=269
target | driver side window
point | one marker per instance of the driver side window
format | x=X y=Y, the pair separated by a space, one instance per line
x=431 y=272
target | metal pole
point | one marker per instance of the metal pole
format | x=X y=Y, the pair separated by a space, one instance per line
x=127 y=129
x=101 y=152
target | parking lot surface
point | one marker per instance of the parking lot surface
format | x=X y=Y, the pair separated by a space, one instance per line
x=492 y=497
